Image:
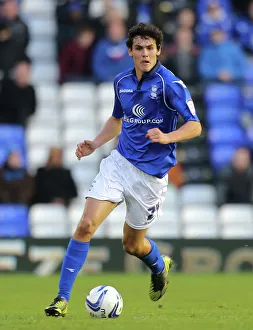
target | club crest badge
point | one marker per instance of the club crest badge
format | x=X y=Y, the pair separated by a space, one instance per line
x=153 y=92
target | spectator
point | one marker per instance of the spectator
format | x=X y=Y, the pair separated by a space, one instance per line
x=16 y=184
x=215 y=18
x=75 y=58
x=181 y=56
x=222 y=59
x=10 y=50
x=69 y=15
x=236 y=181
x=110 y=55
x=20 y=32
x=162 y=13
x=54 y=183
x=202 y=7
x=186 y=19
x=17 y=95
x=244 y=30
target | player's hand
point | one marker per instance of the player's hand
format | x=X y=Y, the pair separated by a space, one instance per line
x=155 y=135
x=84 y=148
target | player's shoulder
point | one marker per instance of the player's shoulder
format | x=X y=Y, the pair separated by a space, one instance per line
x=173 y=83
x=123 y=75
x=169 y=77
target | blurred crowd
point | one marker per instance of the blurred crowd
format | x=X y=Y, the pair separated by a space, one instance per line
x=205 y=41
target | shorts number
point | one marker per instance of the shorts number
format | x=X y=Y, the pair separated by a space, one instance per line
x=152 y=212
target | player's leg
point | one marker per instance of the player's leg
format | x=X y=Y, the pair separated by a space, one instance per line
x=135 y=243
x=94 y=213
x=104 y=194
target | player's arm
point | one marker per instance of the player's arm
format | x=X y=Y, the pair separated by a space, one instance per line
x=179 y=97
x=111 y=128
x=187 y=131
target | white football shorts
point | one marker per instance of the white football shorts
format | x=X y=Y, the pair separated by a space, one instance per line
x=119 y=180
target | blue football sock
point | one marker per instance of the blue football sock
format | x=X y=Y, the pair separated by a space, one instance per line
x=74 y=259
x=154 y=260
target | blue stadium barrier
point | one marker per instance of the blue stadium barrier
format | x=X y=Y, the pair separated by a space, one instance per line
x=14 y=220
x=221 y=156
x=222 y=94
x=220 y=114
x=227 y=133
x=12 y=137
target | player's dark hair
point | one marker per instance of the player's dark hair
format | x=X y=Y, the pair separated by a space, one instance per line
x=145 y=30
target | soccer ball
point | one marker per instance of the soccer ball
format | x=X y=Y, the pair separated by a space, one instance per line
x=104 y=301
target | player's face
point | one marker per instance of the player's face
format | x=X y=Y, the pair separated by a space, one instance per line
x=144 y=53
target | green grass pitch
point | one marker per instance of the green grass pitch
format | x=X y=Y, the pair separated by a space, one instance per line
x=193 y=302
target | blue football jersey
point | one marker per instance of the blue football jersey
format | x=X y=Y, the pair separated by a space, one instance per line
x=153 y=102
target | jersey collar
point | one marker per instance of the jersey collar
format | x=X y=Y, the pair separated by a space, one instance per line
x=151 y=72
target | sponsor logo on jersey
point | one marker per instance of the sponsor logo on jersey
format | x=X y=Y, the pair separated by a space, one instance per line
x=138 y=110
x=153 y=92
x=142 y=121
x=126 y=91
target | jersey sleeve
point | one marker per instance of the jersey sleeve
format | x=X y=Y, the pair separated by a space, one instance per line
x=117 y=109
x=180 y=99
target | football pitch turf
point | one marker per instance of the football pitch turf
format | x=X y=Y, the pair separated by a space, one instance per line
x=192 y=302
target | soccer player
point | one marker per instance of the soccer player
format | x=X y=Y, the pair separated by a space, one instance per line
x=148 y=101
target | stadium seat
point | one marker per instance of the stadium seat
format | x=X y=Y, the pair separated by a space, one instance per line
x=74 y=215
x=78 y=94
x=84 y=173
x=37 y=156
x=47 y=93
x=42 y=28
x=49 y=220
x=196 y=231
x=12 y=134
x=45 y=118
x=221 y=155
x=105 y=93
x=171 y=198
x=33 y=8
x=237 y=231
x=168 y=225
x=14 y=220
x=233 y=213
x=45 y=72
x=79 y=115
x=12 y=137
x=43 y=135
x=236 y=220
x=248 y=75
x=226 y=133
x=72 y=135
x=104 y=112
x=222 y=94
x=204 y=194
x=216 y=115
x=203 y=219
x=247 y=92
x=36 y=49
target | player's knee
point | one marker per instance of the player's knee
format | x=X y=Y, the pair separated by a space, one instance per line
x=86 y=228
x=131 y=248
